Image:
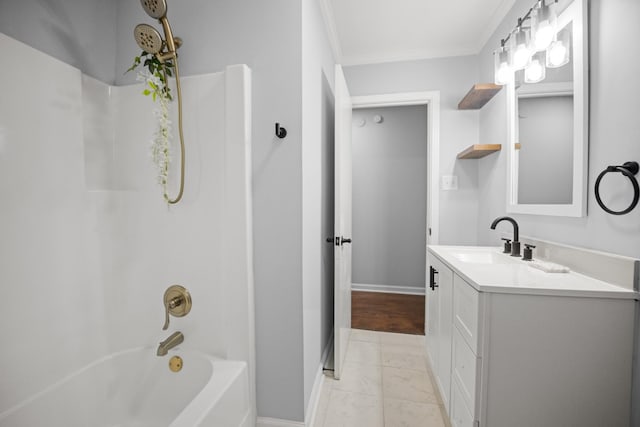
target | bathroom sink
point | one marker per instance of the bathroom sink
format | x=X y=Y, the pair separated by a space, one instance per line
x=481 y=255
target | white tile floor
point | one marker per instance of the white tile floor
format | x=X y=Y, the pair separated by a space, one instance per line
x=386 y=382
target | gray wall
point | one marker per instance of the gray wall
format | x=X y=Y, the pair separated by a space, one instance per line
x=81 y=33
x=453 y=77
x=613 y=131
x=390 y=196
x=613 y=139
x=317 y=192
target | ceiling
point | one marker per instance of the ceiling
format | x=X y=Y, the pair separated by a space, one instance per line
x=371 y=31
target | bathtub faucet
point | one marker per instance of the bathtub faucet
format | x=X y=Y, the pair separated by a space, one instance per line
x=174 y=340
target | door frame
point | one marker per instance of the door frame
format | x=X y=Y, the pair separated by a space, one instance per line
x=432 y=100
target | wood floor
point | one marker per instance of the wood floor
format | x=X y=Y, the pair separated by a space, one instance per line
x=377 y=311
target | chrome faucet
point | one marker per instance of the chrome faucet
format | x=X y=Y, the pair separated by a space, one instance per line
x=515 y=245
x=174 y=340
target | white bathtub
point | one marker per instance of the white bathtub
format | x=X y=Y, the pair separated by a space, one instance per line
x=135 y=388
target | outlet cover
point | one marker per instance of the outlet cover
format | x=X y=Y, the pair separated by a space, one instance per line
x=449 y=182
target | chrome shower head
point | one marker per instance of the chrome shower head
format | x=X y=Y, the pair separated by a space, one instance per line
x=155 y=8
x=148 y=38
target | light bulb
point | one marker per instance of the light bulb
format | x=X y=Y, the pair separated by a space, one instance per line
x=502 y=71
x=521 y=57
x=502 y=75
x=559 y=51
x=535 y=72
x=520 y=49
x=543 y=26
x=544 y=36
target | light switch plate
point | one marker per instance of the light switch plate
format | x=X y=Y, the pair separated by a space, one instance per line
x=449 y=182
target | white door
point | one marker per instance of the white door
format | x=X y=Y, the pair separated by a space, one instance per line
x=342 y=225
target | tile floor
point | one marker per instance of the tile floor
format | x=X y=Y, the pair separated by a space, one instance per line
x=386 y=381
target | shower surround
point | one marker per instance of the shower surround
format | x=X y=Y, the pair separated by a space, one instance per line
x=88 y=243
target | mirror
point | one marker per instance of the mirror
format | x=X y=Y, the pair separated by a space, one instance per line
x=547 y=150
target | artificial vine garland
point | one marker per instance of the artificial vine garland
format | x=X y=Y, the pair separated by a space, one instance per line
x=156 y=86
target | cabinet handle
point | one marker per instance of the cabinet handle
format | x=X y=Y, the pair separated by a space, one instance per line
x=432 y=278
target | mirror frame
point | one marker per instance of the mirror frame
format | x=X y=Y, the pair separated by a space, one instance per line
x=575 y=13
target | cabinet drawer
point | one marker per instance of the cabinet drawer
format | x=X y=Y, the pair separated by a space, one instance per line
x=460 y=416
x=465 y=366
x=465 y=311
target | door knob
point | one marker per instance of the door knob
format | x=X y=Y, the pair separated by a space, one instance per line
x=329 y=239
x=343 y=241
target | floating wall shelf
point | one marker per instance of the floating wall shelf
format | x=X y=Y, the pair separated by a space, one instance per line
x=479 y=150
x=479 y=95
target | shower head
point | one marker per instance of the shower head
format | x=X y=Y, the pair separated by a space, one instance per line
x=155 y=8
x=148 y=38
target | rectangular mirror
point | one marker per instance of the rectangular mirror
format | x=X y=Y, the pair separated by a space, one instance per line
x=548 y=137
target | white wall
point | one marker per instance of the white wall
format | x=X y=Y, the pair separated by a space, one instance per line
x=453 y=77
x=89 y=255
x=50 y=266
x=390 y=196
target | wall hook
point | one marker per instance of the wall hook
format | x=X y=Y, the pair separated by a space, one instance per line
x=280 y=131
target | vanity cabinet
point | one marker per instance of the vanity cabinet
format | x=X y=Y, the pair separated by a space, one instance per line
x=510 y=357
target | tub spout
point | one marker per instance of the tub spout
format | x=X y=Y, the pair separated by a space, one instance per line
x=174 y=340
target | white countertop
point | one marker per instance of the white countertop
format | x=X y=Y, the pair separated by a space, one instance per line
x=511 y=275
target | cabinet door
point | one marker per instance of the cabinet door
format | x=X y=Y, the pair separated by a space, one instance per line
x=432 y=312
x=440 y=326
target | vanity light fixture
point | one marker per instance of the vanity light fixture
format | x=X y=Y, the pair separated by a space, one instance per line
x=534 y=47
x=536 y=70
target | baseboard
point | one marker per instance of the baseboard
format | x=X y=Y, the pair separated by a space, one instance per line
x=390 y=289
x=312 y=406
x=276 y=422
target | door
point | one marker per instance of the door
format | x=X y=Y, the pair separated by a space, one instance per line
x=342 y=224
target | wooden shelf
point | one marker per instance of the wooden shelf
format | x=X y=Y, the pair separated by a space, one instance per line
x=479 y=150
x=479 y=95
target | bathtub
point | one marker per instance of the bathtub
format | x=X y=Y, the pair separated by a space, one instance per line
x=136 y=388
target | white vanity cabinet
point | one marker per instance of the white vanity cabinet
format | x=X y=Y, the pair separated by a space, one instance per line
x=528 y=357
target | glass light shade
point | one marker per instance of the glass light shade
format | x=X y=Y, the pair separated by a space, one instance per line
x=544 y=24
x=535 y=71
x=502 y=71
x=558 y=52
x=519 y=48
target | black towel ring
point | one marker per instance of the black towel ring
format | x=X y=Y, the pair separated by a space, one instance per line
x=628 y=169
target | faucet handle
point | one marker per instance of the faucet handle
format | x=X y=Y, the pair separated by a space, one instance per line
x=177 y=302
x=527 y=254
x=507 y=246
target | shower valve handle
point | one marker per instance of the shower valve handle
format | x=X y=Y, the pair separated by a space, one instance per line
x=177 y=302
